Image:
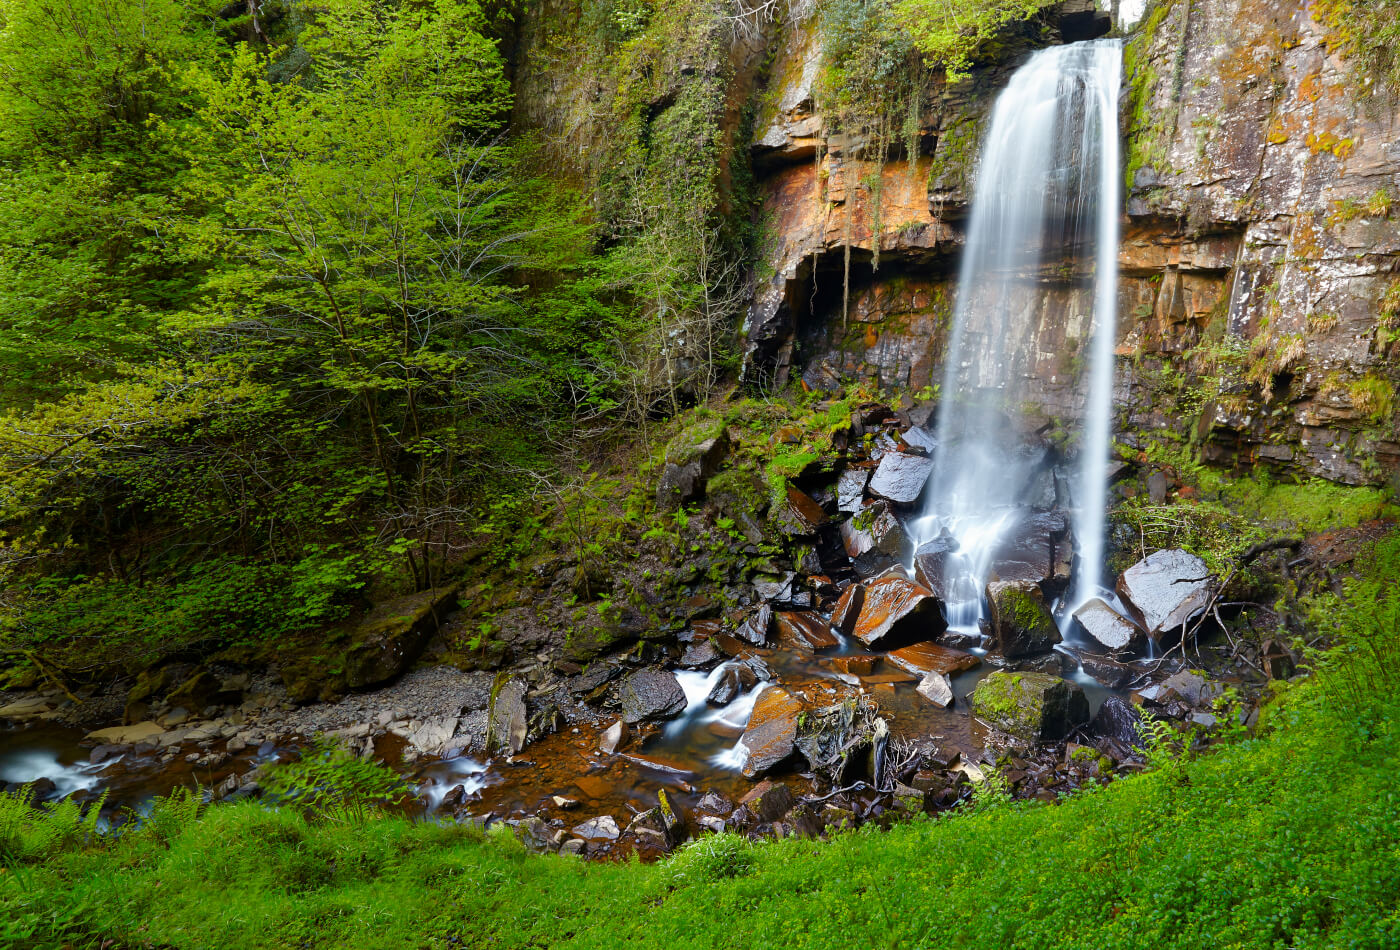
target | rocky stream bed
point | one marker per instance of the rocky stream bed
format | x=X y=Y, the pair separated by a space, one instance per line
x=829 y=693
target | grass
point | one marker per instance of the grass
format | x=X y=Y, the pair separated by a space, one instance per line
x=1288 y=838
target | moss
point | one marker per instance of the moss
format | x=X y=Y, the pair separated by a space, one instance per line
x=1374 y=396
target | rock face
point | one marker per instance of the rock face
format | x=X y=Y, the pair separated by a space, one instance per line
x=771 y=732
x=896 y=611
x=1166 y=590
x=1021 y=623
x=1251 y=146
x=1032 y=707
x=1103 y=625
x=651 y=695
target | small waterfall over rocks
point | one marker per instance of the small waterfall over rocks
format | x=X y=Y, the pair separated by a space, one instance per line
x=1045 y=207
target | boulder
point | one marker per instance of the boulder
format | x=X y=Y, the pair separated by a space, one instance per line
x=127 y=735
x=850 y=489
x=799 y=514
x=507 y=722
x=196 y=692
x=393 y=635
x=876 y=533
x=937 y=689
x=651 y=695
x=1021 y=623
x=727 y=686
x=847 y=610
x=701 y=654
x=901 y=477
x=1103 y=625
x=771 y=732
x=601 y=828
x=931 y=569
x=755 y=628
x=1166 y=590
x=924 y=658
x=1108 y=671
x=689 y=466
x=1032 y=707
x=805 y=629
x=769 y=801
x=895 y=611
x=612 y=737
x=433 y=736
x=1118 y=719
x=1035 y=549
x=660 y=826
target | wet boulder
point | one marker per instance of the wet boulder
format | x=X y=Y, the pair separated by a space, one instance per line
x=799 y=514
x=726 y=686
x=1119 y=720
x=924 y=658
x=1103 y=625
x=649 y=695
x=1167 y=590
x=932 y=563
x=507 y=722
x=700 y=655
x=769 y=801
x=896 y=611
x=874 y=539
x=901 y=477
x=806 y=630
x=850 y=489
x=1033 y=707
x=771 y=732
x=1035 y=549
x=1021 y=623
x=847 y=610
x=937 y=689
x=755 y=627
x=601 y=828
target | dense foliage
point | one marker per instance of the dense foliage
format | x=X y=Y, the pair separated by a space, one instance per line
x=1286 y=838
x=285 y=313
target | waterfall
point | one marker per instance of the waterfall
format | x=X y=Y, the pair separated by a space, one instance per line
x=1046 y=196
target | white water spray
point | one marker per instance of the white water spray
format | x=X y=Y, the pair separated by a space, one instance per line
x=1047 y=191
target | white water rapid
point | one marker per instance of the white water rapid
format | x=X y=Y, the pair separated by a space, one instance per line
x=1045 y=206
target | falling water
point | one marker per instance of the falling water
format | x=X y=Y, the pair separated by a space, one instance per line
x=1046 y=194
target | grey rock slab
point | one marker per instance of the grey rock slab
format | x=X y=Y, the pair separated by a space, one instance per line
x=651 y=695
x=1167 y=590
x=1106 y=627
x=901 y=477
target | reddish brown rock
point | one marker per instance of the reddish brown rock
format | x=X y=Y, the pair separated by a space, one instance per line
x=805 y=629
x=855 y=665
x=847 y=609
x=771 y=732
x=896 y=611
x=922 y=659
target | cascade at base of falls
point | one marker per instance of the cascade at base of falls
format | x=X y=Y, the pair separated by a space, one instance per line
x=1046 y=199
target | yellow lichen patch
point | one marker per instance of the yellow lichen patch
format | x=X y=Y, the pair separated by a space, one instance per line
x=1311 y=87
x=1331 y=143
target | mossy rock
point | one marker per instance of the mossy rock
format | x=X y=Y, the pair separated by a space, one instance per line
x=1021 y=621
x=1033 y=707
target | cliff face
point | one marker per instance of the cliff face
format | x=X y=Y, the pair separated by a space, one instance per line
x=1257 y=246
x=1251 y=270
